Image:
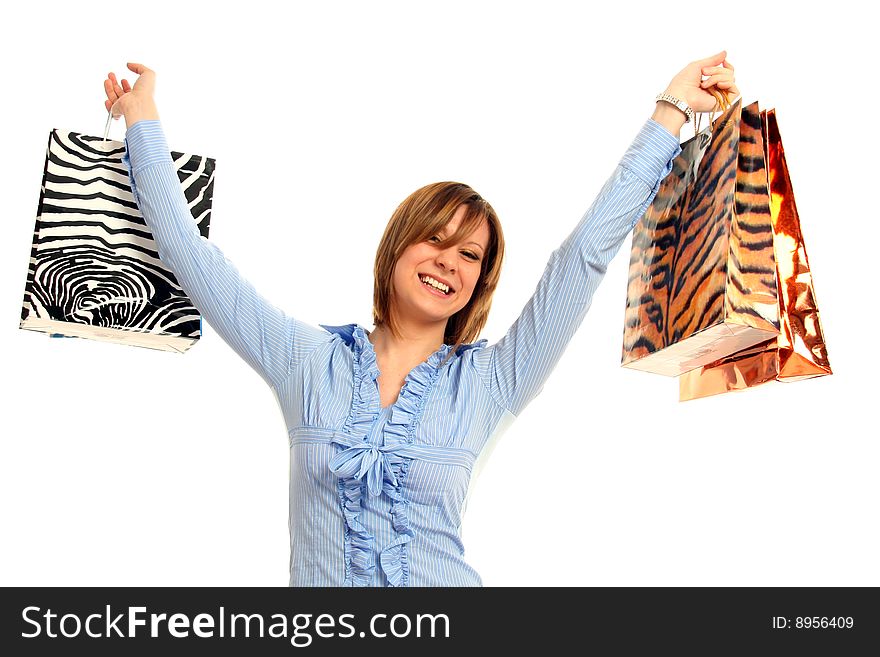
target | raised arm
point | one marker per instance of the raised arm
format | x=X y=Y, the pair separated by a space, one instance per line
x=516 y=367
x=267 y=339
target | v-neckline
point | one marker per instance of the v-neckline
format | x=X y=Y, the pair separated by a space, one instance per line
x=430 y=363
x=369 y=400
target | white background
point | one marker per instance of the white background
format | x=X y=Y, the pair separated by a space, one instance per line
x=128 y=466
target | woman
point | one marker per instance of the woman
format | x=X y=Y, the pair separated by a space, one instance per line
x=386 y=426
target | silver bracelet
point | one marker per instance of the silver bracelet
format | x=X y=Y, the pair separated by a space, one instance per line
x=678 y=103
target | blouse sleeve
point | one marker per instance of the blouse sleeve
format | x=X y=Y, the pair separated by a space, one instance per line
x=515 y=368
x=263 y=335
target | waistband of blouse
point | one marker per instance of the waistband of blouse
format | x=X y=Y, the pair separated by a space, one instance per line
x=434 y=454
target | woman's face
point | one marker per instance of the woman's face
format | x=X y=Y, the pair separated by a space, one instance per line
x=424 y=267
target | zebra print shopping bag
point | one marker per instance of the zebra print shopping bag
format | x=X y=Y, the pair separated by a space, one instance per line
x=94 y=270
x=704 y=282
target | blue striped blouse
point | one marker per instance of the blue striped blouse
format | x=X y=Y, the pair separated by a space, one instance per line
x=377 y=494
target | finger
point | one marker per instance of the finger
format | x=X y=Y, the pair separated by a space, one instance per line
x=726 y=64
x=713 y=80
x=729 y=91
x=724 y=74
x=108 y=89
x=114 y=85
x=714 y=60
x=721 y=73
x=140 y=69
x=126 y=87
x=116 y=88
x=709 y=70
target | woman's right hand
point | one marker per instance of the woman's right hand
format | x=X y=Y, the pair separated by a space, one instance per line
x=135 y=103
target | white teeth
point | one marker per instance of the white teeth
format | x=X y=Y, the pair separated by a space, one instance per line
x=436 y=284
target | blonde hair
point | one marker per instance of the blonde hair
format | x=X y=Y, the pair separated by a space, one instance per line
x=423 y=214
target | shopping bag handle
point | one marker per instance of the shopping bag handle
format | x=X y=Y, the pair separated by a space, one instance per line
x=112 y=113
x=722 y=104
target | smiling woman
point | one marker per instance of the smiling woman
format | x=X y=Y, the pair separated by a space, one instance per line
x=447 y=232
x=386 y=427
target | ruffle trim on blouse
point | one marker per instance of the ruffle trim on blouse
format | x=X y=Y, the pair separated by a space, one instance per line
x=358 y=546
x=380 y=469
x=407 y=410
x=393 y=558
x=400 y=429
x=352 y=463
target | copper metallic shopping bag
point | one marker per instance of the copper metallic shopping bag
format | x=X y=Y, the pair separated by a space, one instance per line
x=799 y=351
x=703 y=277
x=94 y=270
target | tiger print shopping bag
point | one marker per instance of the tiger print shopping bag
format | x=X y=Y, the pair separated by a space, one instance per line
x=703 y=281
x=799 y=351
x=94 y=270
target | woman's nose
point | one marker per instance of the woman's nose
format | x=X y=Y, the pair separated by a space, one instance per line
x=446 y=259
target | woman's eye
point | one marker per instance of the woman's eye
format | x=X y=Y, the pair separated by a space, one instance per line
x=470 y=255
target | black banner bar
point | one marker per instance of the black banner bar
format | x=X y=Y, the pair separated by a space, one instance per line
x=116 y=621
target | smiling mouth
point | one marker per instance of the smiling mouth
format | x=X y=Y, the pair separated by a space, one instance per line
x=435 y=286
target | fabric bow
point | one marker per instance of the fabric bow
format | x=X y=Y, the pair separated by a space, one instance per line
x=365 y=459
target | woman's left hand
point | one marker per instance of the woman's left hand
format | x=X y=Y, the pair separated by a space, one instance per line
x=690 y=86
